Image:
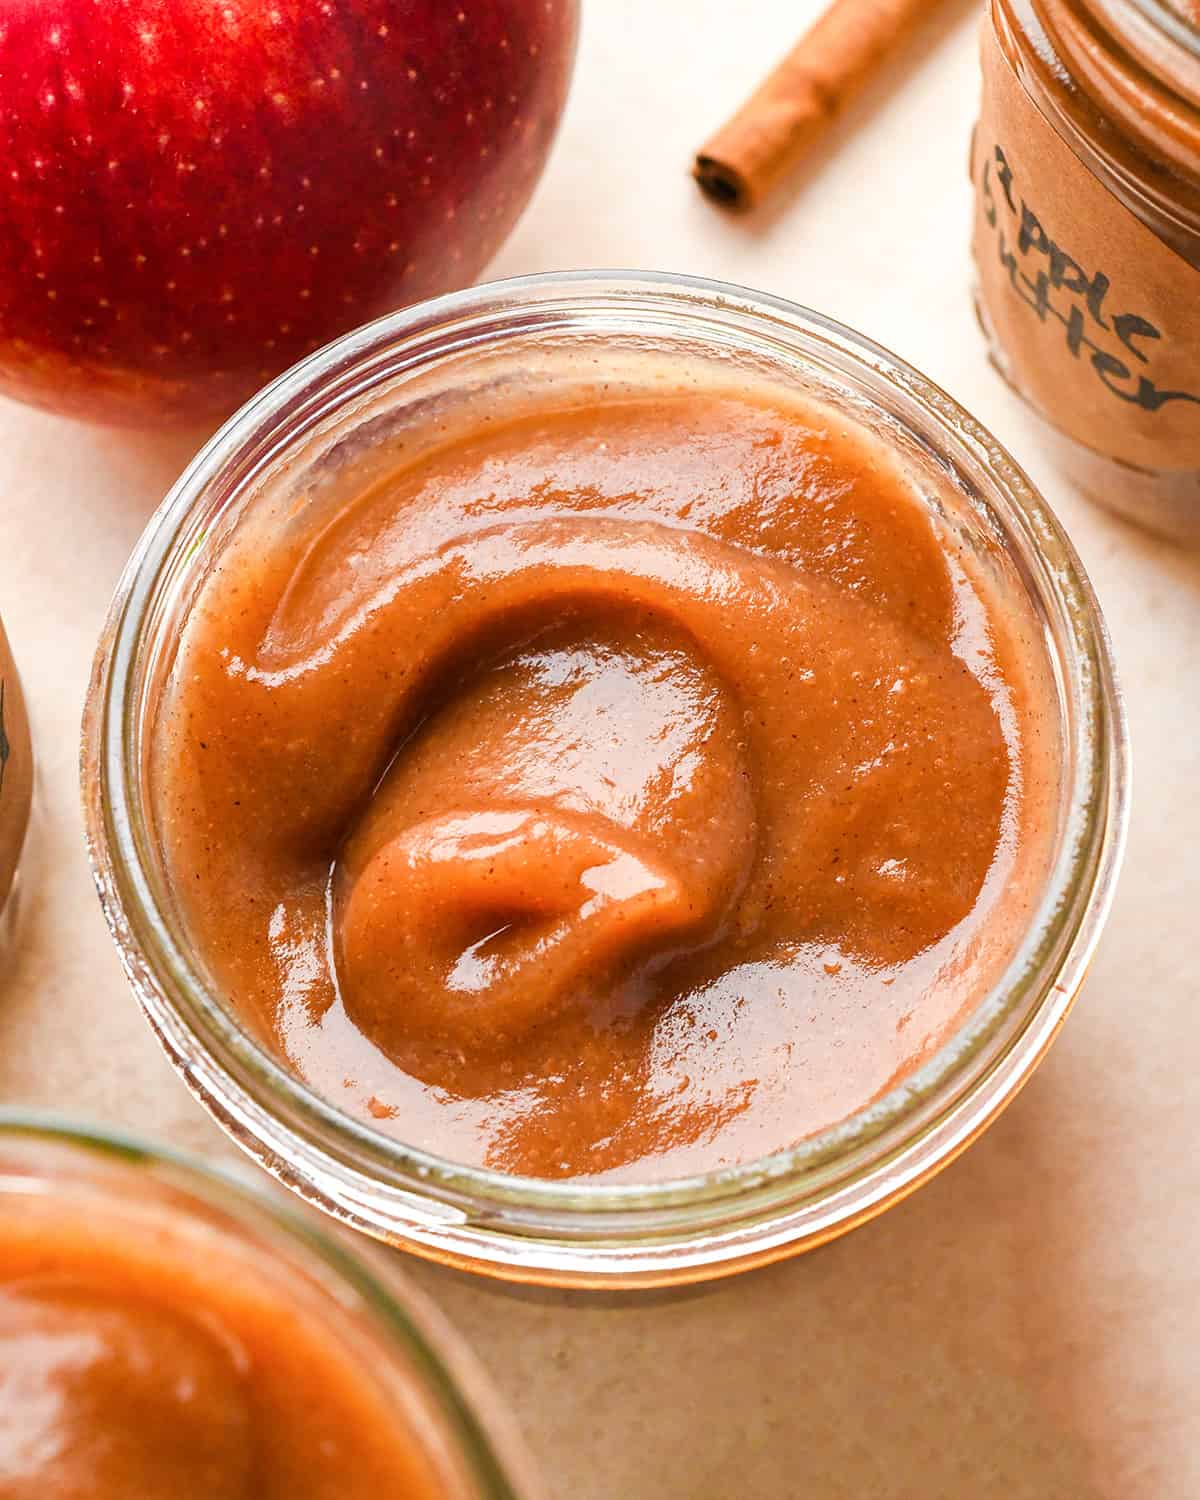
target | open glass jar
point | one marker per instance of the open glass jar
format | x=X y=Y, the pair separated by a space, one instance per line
x=524 y=334
x=75 y=1202
x=1087 y=240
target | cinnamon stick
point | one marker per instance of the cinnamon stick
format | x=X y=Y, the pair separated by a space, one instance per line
x=796 y=103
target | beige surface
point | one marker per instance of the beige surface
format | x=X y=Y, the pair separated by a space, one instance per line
x=1028 y=1326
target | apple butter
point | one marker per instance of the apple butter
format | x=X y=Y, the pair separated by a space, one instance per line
x=629 y=787
x=144 y=1355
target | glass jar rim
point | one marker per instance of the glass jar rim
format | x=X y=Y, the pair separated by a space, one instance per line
x=638 y=1215
x=1147 y=38
x=223 y=1189
x=1171 y=23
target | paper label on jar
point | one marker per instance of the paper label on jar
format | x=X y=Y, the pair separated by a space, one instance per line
x=16 y=768
x=1097 y=320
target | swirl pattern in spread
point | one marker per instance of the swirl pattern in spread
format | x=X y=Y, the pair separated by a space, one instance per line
x=644 y=781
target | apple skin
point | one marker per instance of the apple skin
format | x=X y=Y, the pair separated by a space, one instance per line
x=196 y=193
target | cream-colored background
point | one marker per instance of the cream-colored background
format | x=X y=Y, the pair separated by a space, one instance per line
x=1027 y=1327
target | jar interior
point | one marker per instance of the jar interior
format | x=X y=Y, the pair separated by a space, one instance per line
x=336 y=439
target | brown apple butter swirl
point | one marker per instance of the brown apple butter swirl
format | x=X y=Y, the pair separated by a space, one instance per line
x=638 y=786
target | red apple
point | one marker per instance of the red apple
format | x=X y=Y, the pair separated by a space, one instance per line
x=195 y=193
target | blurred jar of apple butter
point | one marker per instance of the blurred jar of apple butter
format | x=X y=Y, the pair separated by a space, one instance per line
x=1086 y=166
x=16 y=777
x=166 y=1331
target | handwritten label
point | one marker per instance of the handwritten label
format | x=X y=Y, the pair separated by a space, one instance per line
x=1098 y=322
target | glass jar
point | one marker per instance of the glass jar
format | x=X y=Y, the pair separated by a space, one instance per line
x=1086 y=165
x=16 y=777
x=463 y=1441
x=424 y=360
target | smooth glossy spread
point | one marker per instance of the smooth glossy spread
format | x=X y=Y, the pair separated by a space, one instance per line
x=629 y=788
x=147 y=1358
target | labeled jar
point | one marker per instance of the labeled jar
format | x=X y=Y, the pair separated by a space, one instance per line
x=166 y=1329
x=407 y=381
x=16 y=773
x=1086 y=167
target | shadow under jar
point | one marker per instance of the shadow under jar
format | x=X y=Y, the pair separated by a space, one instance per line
x=713 y=1107
x=166 y=1330
x=1086 y=165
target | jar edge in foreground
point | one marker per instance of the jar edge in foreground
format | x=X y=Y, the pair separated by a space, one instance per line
x=489 y=1451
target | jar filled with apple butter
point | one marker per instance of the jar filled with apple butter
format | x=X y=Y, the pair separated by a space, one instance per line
x=168 y=1330
x=1086 y=167
x=597 y=778
x=16 y=777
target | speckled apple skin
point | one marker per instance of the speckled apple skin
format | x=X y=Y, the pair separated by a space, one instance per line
x=196 y=193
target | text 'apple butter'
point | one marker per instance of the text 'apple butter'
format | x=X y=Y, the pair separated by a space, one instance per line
x=630 y=788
